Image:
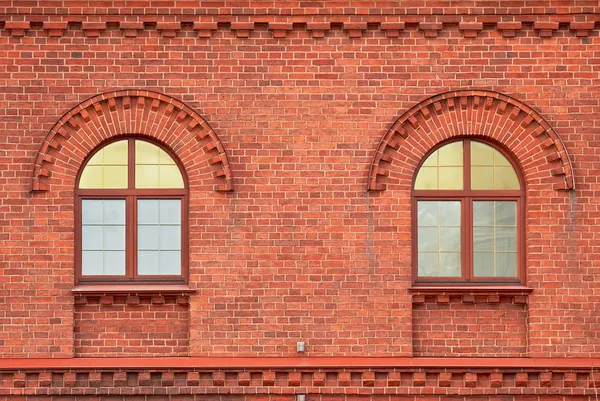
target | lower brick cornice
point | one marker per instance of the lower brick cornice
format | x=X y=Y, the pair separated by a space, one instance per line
x=301 y=375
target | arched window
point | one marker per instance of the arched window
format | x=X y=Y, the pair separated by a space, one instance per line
x=131 y=205
x=468 y=202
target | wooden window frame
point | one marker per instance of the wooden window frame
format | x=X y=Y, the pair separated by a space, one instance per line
x=466 y=196
x=131 y=196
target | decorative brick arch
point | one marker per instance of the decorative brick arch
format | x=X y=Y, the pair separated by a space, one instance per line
x=132 y=112
x=534 y=144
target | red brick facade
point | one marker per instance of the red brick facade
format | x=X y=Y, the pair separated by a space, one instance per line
x=299 y=126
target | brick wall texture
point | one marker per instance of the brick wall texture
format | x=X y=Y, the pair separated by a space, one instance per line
x=300 y=125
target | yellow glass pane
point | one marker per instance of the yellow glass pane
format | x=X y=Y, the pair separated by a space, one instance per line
x=451 y=154
x=115 y=177
x=432 y=160
x=427 y=178
x=482 y=154
x=115 y=153
x=97 y=159
x=170 y=177
x=500 y=160
x=482 y=177
x=505 y=178
x=146 y=176
x=146 y=153
x=164 y=158
x=91 y=177
x=451 y=178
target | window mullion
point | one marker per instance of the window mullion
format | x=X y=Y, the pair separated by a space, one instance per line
x=467 y=246
x=131 y=233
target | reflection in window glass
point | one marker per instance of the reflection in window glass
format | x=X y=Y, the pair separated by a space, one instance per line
x=495 y=238
x=439 y=238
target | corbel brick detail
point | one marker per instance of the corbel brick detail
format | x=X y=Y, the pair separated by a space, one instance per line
x=55 y=29
x=436 y=119
x=355 y=25
x=307 y=381
x=158 y=116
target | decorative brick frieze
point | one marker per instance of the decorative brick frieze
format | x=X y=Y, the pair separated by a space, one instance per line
x=256 y=381
x=391 y=25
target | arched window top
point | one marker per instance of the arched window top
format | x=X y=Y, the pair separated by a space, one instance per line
x=467 y=165
x=468 y=204
x=131 y=163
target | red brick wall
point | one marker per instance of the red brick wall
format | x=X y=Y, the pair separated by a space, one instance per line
x=299 y=250
x=472 y=327
x=131 y=326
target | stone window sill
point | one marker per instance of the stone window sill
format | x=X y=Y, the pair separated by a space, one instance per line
x=132 y=289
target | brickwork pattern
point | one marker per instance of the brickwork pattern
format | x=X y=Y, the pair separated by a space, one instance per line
x=455 y=326
x=120 y=326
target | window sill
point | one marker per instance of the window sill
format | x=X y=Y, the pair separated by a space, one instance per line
x=465 y=289
x=132 y=289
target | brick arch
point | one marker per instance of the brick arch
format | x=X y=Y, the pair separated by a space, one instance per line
x=532 y=141
x=132 y=112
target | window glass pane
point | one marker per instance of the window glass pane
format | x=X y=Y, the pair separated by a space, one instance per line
x=91 y=177
x=505 y=178
x=428 y=239
x=146 y=176
x=114 y=238
x=146 y=153
x=450 y=264
x=490 y=169
x=451 y=154
x=148 y=262
x=428 y=264
x=170 y=237
x=443 y=169
x=148 y=211
x=148 y=237
x=115 y=154
x=91 y=211
x=506 y=264
x=113 y=211
x=92 y=238
x=506 y=213
x=427 y=178
x=450 y=239
x=432 y=160
x=103 y=237
x=449 y=213
x=114 y=263
x=154 y=168
x=482 y=177
x=506 y=239
x=483 y=213
x=159 y=236
x=170 y=262
x=428 y=213
x=439 y=238
x=91 y=263
x=481 y=154
x=169 y=177
x=450 y=178
x=494 y=239
x=483 y=264
x=107 y=168
x=483 y=238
